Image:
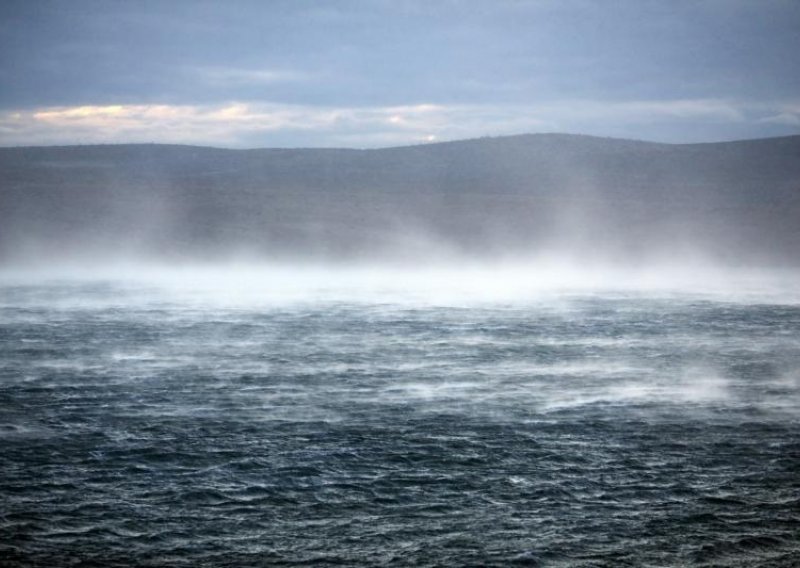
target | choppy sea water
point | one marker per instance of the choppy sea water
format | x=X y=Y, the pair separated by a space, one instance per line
x=144 y=426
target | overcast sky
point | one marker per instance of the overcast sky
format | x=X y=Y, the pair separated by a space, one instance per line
x=377 y=73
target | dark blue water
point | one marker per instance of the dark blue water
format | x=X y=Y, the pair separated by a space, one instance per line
x=602 y=429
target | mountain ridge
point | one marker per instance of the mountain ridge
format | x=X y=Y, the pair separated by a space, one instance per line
x=485 y=197
x=420 y=144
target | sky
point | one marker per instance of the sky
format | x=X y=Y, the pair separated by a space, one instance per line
x=376 y=73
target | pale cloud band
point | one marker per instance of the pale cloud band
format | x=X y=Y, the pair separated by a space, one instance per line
x=239 y=124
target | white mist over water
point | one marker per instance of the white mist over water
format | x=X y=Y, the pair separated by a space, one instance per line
x=448 y=284
x=473 y=338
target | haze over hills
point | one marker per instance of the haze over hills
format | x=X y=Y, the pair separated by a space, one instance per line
x=488 y=198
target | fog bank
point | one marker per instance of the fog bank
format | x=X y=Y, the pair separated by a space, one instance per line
x=252 y=285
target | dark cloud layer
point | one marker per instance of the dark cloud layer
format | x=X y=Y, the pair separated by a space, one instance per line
x=364 y=54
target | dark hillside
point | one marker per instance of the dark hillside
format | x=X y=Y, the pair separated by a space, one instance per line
x=518 y=195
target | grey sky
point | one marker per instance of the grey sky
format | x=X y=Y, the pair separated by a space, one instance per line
x=375 y=73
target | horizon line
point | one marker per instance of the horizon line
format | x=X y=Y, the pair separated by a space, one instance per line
x=421 y=144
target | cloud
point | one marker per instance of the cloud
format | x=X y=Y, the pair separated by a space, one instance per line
x=227 y=125
x=384 y=53
x=240 y=124
x=240 y=77
x=786 y=114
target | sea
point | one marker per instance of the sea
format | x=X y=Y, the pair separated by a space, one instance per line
x=366 y=417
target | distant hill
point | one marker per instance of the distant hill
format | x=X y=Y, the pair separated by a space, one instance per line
x=484 y=198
